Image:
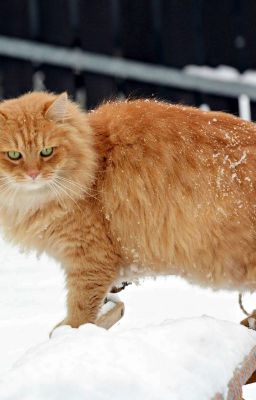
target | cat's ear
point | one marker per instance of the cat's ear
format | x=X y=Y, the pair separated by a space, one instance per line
x=57 y=110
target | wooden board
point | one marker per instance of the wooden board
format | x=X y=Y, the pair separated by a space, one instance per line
x=112 y=315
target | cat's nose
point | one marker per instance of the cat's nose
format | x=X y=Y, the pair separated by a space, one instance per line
x=33 y=173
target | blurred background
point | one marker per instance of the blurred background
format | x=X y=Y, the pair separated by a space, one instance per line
x=196 y=52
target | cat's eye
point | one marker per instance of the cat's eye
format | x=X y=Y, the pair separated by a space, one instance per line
x=46 y=152
x=14 y=155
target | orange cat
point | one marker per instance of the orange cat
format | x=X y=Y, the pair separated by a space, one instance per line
x=136 y=188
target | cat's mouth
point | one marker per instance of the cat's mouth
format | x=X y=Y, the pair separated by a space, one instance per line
x=30 y=185
x=20 y=193
x=43 y=188
x=33 y=185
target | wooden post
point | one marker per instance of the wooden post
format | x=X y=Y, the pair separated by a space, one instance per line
x=250 y=323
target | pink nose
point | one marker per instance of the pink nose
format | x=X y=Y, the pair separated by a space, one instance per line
x=33 y=173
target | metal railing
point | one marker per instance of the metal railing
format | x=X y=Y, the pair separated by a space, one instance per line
x=121 y=68
x=79 y=60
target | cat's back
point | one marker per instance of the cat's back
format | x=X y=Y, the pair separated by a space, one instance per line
x=150 y=134
x=133 y=121
x=150 y=123
x=179 y=184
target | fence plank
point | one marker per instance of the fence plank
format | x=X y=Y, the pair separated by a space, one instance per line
x=96 y=34
x=138 y=42
x=179 y=96
x=54 y=22
x=221 y=103
x=181 y=36
x=181 y=42
x=59 y=79
x=96 y=29
x=246 y=40
x=99 y=88
x=16 y=75
x=219 y=32
x=137 y=32
x=253 y=111
x=15 y=18
x=55 y=26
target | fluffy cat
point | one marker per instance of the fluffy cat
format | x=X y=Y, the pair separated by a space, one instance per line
x=134 y=188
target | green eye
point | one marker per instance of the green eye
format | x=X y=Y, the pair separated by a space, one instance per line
x=46 y=152
x=14 y=155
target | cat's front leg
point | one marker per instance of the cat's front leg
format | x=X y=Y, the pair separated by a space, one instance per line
x=87 y=288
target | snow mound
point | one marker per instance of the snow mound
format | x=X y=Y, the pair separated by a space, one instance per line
x=192 y=358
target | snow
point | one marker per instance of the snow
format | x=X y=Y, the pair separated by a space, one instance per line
x=249 y=77
x=223 y=72
x=161 y=348
x=143 y=363
x=226 y=73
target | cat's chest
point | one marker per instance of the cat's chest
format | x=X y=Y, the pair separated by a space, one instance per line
x=36 y=232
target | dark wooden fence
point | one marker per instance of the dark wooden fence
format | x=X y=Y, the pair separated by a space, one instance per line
x=168 y=32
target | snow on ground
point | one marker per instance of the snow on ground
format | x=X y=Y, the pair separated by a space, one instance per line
x=140 y=363
x=138 y=348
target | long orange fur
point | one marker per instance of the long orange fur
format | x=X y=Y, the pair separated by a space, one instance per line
x=134 y=188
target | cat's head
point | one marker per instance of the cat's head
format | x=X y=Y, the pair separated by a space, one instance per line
x=46 y=150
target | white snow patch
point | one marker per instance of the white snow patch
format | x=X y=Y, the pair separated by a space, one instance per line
x=249 y=77
x=223 y=72
x=185 y=359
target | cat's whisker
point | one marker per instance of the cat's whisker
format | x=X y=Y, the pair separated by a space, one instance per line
x=72 y=182
x=66 y=186
x=5 y=191
x=6 y=183
x=12 y=196
x=91 y=195
x=59 y=172
x=54 y=189
x=89 y=175
x=5 y=178
x=92 y=177
x=97 y=169
x=69 y=195
x=58 y=194
x=72 y=170
x=79 y=186
x=60 y=186
x=4 y=188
